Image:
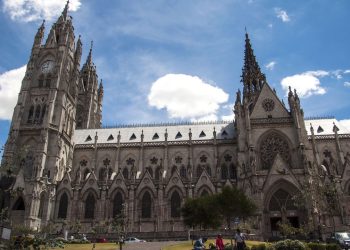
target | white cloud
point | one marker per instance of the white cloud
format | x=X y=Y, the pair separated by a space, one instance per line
x=228 y=117
x=347 y=71
x=345 y=123
x=32 y=10
x=282 y=14
x=270 y=65
x=306 y=84
x=10 y=84
x=186 y=97
x=270 y=25
x=347 y=84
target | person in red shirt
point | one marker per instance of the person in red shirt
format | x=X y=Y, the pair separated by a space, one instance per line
x=219 y=243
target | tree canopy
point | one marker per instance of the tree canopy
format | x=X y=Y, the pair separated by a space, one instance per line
x=212 y=210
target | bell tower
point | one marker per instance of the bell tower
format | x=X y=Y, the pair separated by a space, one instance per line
x=43 y=121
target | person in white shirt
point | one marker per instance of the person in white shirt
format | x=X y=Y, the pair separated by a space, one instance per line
x=239 y=240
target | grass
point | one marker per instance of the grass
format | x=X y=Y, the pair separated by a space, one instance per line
x=99 y=246
x=188 y=244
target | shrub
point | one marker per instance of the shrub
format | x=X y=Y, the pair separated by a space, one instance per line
x=333 y=247
x=316 y=246
x=259 y=247
x=289 y=245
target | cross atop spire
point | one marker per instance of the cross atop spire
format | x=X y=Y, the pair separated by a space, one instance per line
x=252 y=77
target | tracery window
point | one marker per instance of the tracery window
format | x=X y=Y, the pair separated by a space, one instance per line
x=90 y=206
x=274 y=144
x=175 y=202
x=281 y=201
x=37 y=114
x=146 y=205
x=117 y=204
x=63 y=207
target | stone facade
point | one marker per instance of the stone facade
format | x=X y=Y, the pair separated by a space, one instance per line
x=73 y=170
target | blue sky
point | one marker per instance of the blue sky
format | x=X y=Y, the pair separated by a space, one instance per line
x=164 y=61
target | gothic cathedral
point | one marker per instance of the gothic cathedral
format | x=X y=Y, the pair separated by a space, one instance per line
x=63 y=167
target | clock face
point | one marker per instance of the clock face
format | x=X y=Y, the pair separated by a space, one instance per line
x=47 y=67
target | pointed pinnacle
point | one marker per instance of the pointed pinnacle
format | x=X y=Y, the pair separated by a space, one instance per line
x=65 y=10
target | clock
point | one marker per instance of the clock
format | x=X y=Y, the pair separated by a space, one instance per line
x=47 y=67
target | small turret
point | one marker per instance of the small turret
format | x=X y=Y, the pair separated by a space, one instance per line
x=78 y=51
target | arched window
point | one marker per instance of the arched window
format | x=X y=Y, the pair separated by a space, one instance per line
x=37 y=114
x=175 y=202
x=30 y=114
x=117 y=204
x=63 y=207
x=224 y=174
x=19 y=204
x=126 y=173
x=90 y=206
x=146 y=206
x=272 y=145
x=233 y=171
x=183 y=172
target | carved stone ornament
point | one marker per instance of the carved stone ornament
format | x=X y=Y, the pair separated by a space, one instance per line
x=268 y=104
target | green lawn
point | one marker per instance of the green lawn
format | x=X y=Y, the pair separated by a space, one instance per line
x=99 y=246
x=188 y=244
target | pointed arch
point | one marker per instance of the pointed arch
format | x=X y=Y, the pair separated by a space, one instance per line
x=117 y=204
x=63 y=206
x=146 y=205
x=175 y=205
x=90 y=204
x=19 y=204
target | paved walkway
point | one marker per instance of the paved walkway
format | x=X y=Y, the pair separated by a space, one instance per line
x=148 y=245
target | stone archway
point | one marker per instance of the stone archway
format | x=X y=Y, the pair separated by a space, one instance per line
x=280 y=206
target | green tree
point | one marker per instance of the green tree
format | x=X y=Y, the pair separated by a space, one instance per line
x=233 y=203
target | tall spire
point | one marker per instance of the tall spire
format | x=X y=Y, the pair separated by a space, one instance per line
x=89 y=58
x=65 y=10
x=252 y=77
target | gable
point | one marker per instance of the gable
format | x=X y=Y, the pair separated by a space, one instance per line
x=268 y=105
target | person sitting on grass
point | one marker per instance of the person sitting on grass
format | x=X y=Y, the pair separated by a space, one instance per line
x=199 y=244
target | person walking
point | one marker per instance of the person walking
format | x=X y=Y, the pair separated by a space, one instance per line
x=239 y=240
x=219 y=243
